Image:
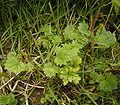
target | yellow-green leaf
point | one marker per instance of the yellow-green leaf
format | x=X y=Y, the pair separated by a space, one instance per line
x=116 y=2
x=104 y=38
x=68 y=74
x=50 y=70
x=13 y=64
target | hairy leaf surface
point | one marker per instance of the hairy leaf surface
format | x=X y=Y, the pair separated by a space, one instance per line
x=50 y=70
x=69 y=74
x=13 y=64
x=105 y=38
x=66 y=53
x=109 y=83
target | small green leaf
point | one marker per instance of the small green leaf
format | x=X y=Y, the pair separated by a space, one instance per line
x=100 y=78
x=66 y=53
x=55 y=39
x=50 y=70
x=104 y=38
x=83 y=28
x=8 y=100
x=117 y=2
x=43 y=100
x=100 y=64
x=109 y=83
x=94 y=75
x=13 y=64
x=76 y=61
x=29 y=66
x=68 y=74
x=49 y=96
x=46 y=29
x=49 y=41
x=69 y=32
x=45 y=41
x=117 y=8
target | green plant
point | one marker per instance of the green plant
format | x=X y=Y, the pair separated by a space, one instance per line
x=66 y=54
x=104 y=38
x=8 y=100
x=49 y=97
x=116 y=4
x=67 y=47
x=66 y=61
x=15 y=65
x=105 y=82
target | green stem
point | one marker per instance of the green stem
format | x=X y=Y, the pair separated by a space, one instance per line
x=109 y=14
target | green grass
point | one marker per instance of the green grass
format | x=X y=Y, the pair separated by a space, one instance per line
x=57 y=52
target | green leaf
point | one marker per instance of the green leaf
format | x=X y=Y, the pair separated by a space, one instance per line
x=94 y=74
x=75 y=34
x=29 y=66
x=69 y=74
x=49 y=41
x=76 y=61
x=83 y=28
x=100 y=64
x=50 y=70
x=96 y=77
x=117 y=2
x=66 y=53
x=55 y=39
x=43 y=100
x=109 y=83
x=8 y=100
x=13 y=64
x=45 y=41
x=49 y=96
x=49 y=38
x=117 y=8
x=99 y=78
x=104 y=38
x=69 y=32
x=46 y=29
